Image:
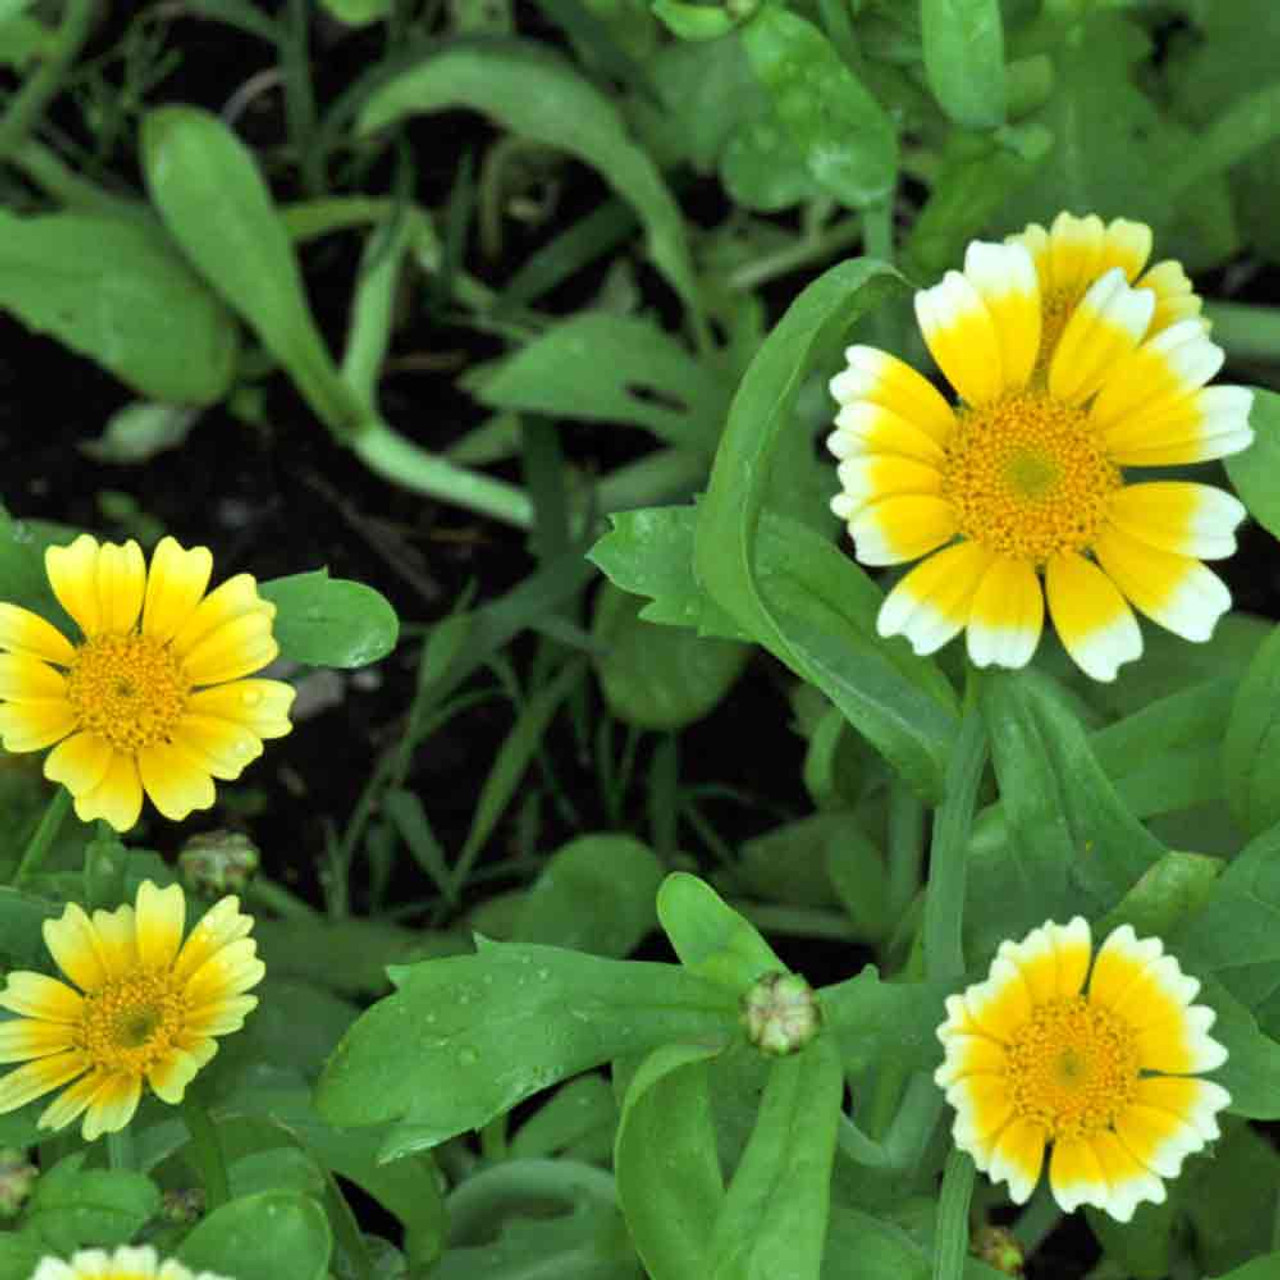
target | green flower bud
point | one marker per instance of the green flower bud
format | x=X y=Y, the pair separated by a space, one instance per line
x=17 y=1179
x=998 y=1247
x=781 y=1014
x=218 y=862
x=183 y=1206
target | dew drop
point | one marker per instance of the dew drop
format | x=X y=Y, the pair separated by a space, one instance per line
x=467 y=1056
x=543 y=974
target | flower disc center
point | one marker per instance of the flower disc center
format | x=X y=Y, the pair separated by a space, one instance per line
x=1027 y=476
x=1073 y=1067
x=132 y=1022
x=129 y=689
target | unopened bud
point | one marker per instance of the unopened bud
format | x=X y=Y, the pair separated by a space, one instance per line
x=998 y=1247
x=780 y=1013
x=218 y=862
x=183 y=1206
x=17 y=1178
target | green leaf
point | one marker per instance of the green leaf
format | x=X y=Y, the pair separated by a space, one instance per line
x=1144 y=1245
x=206 y=185
x=711 y=939
x=1170 y=890
x=357 y=13
x=1256 y=472
x=115 y=291
x=73 y=1206
x=774 y=1218
x=658 y=677
x=577 y=1112
x=668 y=1175
x=649 y=552
x=611 y=368
x=1266 y=1267
x=1251 y=751
x=139 y=431
x=330 y=622
x=540 y=97
x=694 y=21
x=262 y=1237
x=595 y=894
x=20 y=1255
x=964 y=59
x=1251 y=1073
x=465 y=1039
x=848 y=142
x=762 y=167
x=878 y=1023
x=785 y=584
x=22 y=917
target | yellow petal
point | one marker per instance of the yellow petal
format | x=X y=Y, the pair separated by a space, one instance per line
x=1017 y=1159
x=37 y=1078
x=902 y=528
x=1007 y=615
x=1126 y=245
x=1076 y=247
x=36 y=996
x=237 y=648
x=882 y=379
x=32 y=726
x=1129 y=1181
x=170 y=1076
x=1175 y=300
x=69 y=1105
x=112 y=1105
x=1212 y=423
x=932 y=603
x=1076 y=1175
x=1106 y=326
x=221 y=748
x=1180 y=1042
x=22 y=631
x=122 y=580
x=76 y=949
x=27 y=679
x=1121 y=961
x=1178 y=516
x=222 y=925
x=260 y=706
x=1095 y=625
x=983 y=1111
x=175 y=586
x=1005 y=278
x=221 y=1017
x=73 y=574
x=971 y=1056
x=863 y=427
x=1176 y=591
x=79 y=762
x=117 y=940
x=1036 y=960
x=161 y=916
x=875 y=476
x=24 y=1038
x=175 y=780
x=117 y=798
x=236 y=598
x=961 y=336
x=231 y=971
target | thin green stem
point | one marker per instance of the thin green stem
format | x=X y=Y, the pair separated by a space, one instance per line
x=28 y=104
x=877 y=230
x=206 y=1150
x=802 y=253
x=43 y=836
x=906 y=848
x=951 y=1239
x=44 y=168
x=120 y=1153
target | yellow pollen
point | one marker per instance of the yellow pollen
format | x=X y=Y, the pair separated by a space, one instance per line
x=1027 y=477
x=132 y=1022
x=1073 y=1067
x=129 y=689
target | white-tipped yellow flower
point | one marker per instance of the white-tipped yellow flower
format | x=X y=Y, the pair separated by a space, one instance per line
x=126 y=1263
x=1106 y=1075
x=145 y=1006
x=1067 y=374
x=152 y=697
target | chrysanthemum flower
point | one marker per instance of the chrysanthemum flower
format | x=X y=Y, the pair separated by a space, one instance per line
x=152 y=698
x=1107 y=1075
x=148 y=1007
x=1070 y=367
x=126 y=1263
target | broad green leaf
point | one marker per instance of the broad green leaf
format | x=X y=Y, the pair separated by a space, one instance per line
x=848 y=142
x=878 y=1023
x=465 y=1039
x=262 y=1237
x=358 y=13
x=139 y=431
x=22 y=917
x=789 y=862
x=669 y=1180
x=330 y=622
x=1266 y=1267
x=694 y=21
x=1251 y=1073
x=206 y=185
x=1144 y=1245
x=782 y=582
x=711 y=939
x=774 y=1218
x=577 y=1112
x=114 y=290
x=964 y=59
x=1251 y=750
x=1256 y=472
x=1231 y=1199
x=595 y=894
x=649 y=552
x=543 y=98
x=20 y=1255
x=1169 y=891
x=613 y=369
x=73 y=1206
x=763 y=168
x=658 y=677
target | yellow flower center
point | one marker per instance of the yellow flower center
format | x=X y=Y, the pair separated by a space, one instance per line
x=1073 y=1067
x=1027 y=477
x=129 y=689
x=132 y=1022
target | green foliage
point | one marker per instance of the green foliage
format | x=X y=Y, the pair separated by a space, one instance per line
x=261 y=1237
x=1254 y=471
x=330 y=622
x=964 y=59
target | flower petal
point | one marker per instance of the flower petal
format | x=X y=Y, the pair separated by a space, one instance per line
x=1180 y=1043
x=222 y=925
x=260 y=706
x=1017 y=1159
x=221 y=748
x=122 y=580
x=983 y=1112
x=73 y=575
x=1175 y=299
x=22 y=631
x=1212 y=423
x=27 y=679
x=932 y=603
x=237 y=648
x=34 y=995
x=37 y=1078
x=1106 y=326
x=1006 y=616
x=1076 y=247
x=170 y=1076
x=24 y=1038
x=160 y=917
x=175 y=780
x=76 y=949
x=175 y=586
x=1129 y=1181
x=961 y=337
x=1176 y=591
x=1005 y=277
x=1121 y=961
x=863 y=427
x=902 y=528
x=1175 y=515
x=884 y=380
x=79 y=762
x=234 y=599
x=117 y=940
x=1076 y=1175
x=32 y=726
x=112 y=1105
x=971 y=1056
x=1096 y=626
x=876 y=476
x=117 y=798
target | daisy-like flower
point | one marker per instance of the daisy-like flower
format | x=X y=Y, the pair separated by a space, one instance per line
x=1105 y=1075
x=1071 y=365
x=152 y=698
x=126 y=1263
x=148 y=1007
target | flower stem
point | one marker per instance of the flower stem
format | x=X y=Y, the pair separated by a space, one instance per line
x=207 y=1153
x=120 y=1149
x=43 y=836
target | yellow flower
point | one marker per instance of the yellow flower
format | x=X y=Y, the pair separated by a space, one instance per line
x=126 y=1263
x=153 y=697
x=1067 y=373
x=148 y=1007
x=1107 y=1075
